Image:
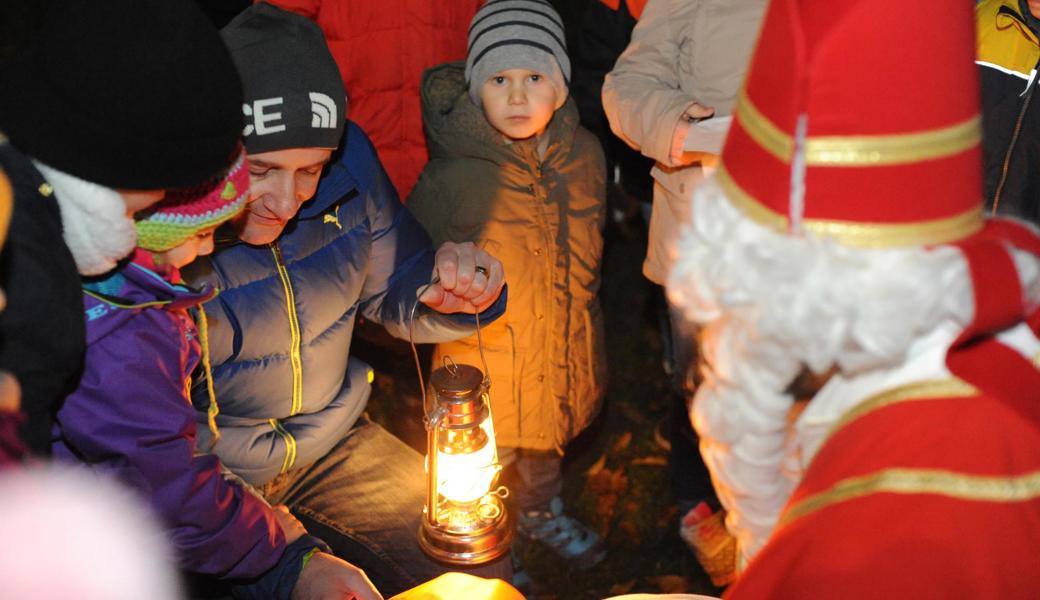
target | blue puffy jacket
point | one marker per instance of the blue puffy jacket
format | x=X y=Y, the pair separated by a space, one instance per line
x=280 y=330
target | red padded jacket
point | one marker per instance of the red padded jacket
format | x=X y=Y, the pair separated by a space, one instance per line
x=382 y=48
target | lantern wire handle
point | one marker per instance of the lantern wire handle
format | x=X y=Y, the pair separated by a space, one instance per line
x=415 y=352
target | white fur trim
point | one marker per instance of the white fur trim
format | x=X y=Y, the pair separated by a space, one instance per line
x=94 y=222
x=770 y=304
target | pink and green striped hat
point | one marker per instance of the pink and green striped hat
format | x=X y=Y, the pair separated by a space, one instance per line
x=185 y=212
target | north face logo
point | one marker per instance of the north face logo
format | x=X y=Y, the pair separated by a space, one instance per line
x=323 y=111
x=271 y=115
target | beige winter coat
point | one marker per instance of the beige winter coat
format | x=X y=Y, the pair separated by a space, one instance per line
x=682 y=51
x=543 y=220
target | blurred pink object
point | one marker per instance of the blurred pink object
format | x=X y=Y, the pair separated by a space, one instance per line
x=72 y=534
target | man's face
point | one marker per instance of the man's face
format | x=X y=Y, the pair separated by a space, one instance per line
x=519 y=103
x=1034 y=7
x=280 y=181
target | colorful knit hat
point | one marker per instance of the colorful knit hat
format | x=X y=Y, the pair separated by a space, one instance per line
x=187 y=211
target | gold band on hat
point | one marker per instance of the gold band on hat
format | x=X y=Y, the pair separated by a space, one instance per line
x=859 y=150
x=852 y=233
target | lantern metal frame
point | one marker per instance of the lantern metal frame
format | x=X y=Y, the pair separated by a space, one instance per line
x=461 y=533
x=454 y=532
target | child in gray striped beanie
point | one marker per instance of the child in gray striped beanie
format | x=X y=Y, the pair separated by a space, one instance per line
x=524 y=38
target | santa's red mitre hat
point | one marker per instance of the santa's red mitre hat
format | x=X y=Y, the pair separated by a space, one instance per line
x=859 y=121
x=876 y=102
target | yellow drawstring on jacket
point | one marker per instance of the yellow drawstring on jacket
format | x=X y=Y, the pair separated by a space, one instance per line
x=213 y=410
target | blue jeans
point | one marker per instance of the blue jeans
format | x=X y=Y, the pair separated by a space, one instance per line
x=365 y=499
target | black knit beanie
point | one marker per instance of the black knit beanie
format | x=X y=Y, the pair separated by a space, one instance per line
x=294 y=95
x=135 y=94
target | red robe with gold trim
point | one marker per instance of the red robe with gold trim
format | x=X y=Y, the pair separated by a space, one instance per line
x=914 y=497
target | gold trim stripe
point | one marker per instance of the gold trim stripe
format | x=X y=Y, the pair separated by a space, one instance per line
x=939 y=482
x=766 y=134
x=860 y=150
x=850 y=233
x=920 y=390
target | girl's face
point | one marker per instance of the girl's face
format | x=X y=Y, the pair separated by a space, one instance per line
x=200 y=244
x=519 y=103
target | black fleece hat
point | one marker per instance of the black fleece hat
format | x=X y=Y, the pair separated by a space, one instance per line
x=136 y=94
x=294 y=96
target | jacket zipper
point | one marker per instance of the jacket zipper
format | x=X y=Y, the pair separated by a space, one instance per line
x=294 y=359
x=294 y=331
x=290 y=444
x=1014 y=139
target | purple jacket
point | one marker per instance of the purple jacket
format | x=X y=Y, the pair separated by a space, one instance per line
x=131 y=418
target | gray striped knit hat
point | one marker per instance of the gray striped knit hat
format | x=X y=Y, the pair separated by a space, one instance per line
x=517 y=34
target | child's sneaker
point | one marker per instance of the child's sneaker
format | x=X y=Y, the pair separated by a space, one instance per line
x=715 y=548
x=567 y=536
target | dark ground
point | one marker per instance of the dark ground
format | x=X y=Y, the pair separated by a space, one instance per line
x=616 y=476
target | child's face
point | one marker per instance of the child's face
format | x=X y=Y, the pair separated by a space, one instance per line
x=199 y=245
x=519 y=103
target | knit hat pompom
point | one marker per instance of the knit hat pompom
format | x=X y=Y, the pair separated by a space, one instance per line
x=185 y=212
x=517 y=34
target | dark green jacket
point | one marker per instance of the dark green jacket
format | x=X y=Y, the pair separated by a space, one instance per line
x=543 y=219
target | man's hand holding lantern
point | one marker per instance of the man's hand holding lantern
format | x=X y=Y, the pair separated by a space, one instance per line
x=467 y=279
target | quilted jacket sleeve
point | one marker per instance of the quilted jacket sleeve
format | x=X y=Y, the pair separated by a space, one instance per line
x=642 y=96
x=401 y=262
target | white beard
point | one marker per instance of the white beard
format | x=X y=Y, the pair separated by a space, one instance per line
x=772 y=304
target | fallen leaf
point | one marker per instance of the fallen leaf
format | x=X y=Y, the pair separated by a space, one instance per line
x=597 y=466
x=631 y=530
x=623 y=442
x=622 y=588
x=670 y=584
x=601 y=482
x=657 y=461
x=619 y=481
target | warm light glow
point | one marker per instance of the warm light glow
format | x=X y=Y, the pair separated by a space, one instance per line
x=468 y=477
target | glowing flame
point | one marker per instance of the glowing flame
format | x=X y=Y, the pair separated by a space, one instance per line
x=468 y=477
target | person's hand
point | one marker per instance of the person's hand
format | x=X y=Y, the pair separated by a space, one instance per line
x=291 y=527
x=10 y=393
x=329 y=578
x=468 y=279
x=693 y=113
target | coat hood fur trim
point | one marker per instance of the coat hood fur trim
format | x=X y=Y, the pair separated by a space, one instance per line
x=94 y=222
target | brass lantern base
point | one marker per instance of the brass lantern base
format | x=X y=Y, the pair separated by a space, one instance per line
x=486 y=534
